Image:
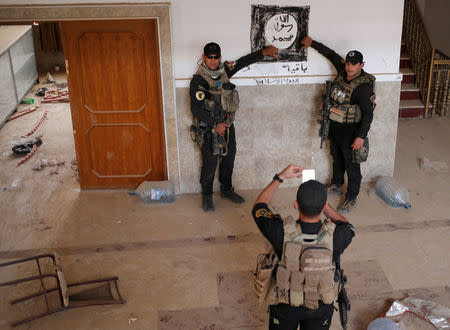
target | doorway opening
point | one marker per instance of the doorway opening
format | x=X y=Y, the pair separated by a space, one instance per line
x=116 y=105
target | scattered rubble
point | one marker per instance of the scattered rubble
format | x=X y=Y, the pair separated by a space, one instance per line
x=437 y=166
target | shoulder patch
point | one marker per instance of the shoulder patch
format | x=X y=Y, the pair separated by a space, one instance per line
x=263 y=213
x=200 y=96
x=230 y=64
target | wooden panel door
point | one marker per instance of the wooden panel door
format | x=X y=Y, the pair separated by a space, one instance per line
x=113 y=71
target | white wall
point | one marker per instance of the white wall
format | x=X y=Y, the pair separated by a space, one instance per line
x=373 y=27
x=342 y=25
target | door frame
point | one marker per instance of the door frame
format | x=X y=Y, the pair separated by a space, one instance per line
x=160 y=11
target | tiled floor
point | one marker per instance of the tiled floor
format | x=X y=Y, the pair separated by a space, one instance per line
x=180 y=268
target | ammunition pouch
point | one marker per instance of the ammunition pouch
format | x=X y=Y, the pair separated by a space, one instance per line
x=361 y=155
x=230 y=100
x=346 y=114
x=306 y=272
x=265 y=265
x=342 y=111
x=198 y=133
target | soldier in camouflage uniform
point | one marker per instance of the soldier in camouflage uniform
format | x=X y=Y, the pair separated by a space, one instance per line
x=350 y=118
x=214 y=101
x=304 y=287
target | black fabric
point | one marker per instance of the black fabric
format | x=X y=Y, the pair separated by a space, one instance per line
x=209 y=162
x=286 y=317
x=311 y=197
x=271 y=226
x=211 y=48
x=341 y=152
x=354 y=57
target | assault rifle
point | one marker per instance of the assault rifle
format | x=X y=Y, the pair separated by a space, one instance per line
x=219 y=144
x=325 y=113
x=343 y=301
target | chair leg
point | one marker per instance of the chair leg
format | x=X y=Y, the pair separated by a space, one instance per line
x=31 y=296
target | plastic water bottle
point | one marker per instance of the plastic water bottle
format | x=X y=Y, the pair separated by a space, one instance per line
x=156 y=192
x=390 y=191
x=383 y=324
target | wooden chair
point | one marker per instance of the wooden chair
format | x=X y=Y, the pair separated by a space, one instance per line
x=105 y=293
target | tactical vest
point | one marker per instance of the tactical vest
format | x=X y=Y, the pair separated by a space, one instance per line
x=341 y=93
x=306 y=271
x=223 y=95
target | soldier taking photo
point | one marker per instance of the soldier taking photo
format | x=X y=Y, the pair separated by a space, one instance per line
x=307 y=252
x=353 y=100
x=214 y=101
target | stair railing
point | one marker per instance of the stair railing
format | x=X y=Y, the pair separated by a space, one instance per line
x=440 y=83
x=432 y=74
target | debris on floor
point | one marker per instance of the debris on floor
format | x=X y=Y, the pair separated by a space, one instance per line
x=27 y=145
x=38 y=124
x=15 y=183
x=61 y=84
x=27 y=100
x=22 y=112
x=41 y=91
x=132 y=318
x=55 y=96
x=49 y=78
x=156 y=191
x=74 y=167
x=41 y=163
x=438 y=166
x=31 y=152
x=413 y=312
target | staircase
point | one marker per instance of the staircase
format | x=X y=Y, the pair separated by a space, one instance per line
x=424 y=67
x=411 y=105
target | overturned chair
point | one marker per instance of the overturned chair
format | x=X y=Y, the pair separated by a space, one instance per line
x=88 y=293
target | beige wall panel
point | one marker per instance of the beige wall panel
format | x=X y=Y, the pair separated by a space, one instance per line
x=276 y=125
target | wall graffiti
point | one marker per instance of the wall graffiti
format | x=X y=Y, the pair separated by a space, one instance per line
x=294 y=68
x=278 y=81
x=282 y=27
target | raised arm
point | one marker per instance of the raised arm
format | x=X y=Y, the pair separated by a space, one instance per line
x=330 y=54
x=250 y=59
x=291 y=171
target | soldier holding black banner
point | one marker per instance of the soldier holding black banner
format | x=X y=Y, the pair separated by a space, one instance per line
x=214 y=101
x=353 y=99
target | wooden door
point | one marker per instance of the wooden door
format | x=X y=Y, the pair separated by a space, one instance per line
x=113 y=71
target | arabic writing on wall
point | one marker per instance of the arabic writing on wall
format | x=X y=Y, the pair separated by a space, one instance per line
x=294 y=68
x=278 y=81
x=280 y=30
x=282 y=27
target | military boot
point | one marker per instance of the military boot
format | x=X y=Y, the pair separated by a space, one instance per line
x=207 y=203
x=347 y=206
x=334 y=189
x=232 y=196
